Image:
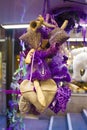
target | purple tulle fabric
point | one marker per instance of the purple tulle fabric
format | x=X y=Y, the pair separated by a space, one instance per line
x=59 y=69
x=41 y=65
x=43 y=69
x=60 y=100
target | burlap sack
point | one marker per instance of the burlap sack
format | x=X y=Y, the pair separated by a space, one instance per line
x=31 y=37
x=40 y=96
x=58 y=35
x=24 y=105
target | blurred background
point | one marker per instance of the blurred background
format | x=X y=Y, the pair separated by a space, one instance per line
x=20 y=12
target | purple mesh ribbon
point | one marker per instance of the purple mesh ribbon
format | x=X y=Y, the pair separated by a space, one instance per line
x=60 y=100
x=11 y=91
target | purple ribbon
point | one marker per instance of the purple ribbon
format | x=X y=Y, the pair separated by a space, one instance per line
x=11 y=91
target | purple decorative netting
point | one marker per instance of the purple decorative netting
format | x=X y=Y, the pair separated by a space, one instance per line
x=60 y=100
x=59 y=69
x=41 y=65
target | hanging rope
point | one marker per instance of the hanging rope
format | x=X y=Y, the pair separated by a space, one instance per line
x=46 y=7
x=32 y=63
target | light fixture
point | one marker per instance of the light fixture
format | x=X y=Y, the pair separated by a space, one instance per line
x=15 y=26
x=77 y=39
x=2 y=40
x=72 y=47
x=81 y=24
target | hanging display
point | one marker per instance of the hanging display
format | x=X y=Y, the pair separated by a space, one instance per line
x=43 y=75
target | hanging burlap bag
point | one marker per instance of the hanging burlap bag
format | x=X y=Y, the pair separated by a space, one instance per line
x=40 y=94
